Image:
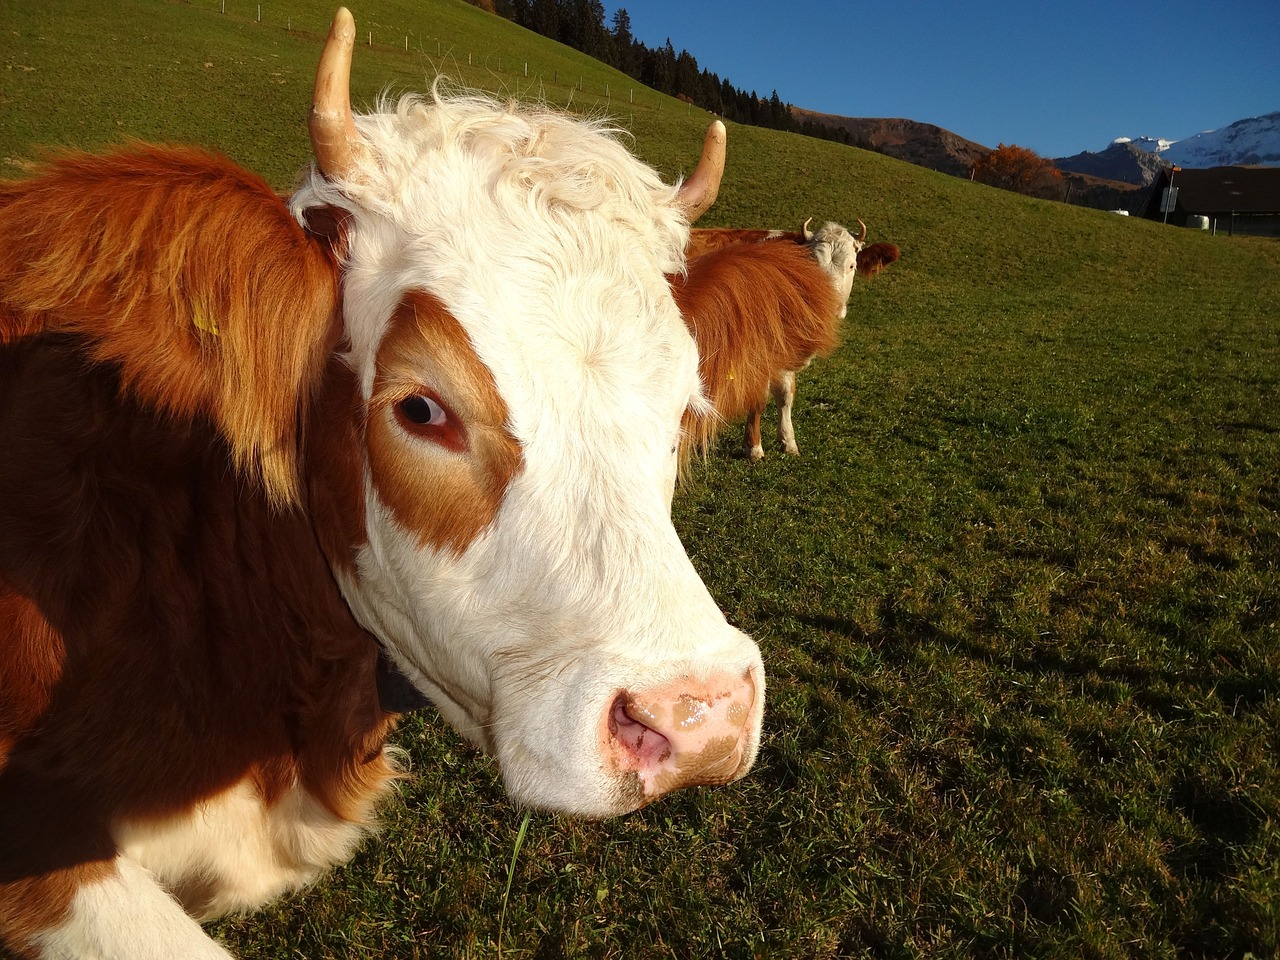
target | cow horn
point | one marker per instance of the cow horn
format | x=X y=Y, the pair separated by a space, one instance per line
x=334 y=138
x=805 y=231
x=699 y=192
x=862 y=234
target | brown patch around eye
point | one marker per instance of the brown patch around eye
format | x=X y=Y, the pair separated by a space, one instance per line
x=443 y=482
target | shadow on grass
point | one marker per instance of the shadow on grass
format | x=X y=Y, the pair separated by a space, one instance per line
x=901 y=634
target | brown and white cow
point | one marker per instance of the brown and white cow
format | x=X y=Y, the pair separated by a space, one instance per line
x=832 y=246
x=759 y=312
x=259 y=460
x=753 y=340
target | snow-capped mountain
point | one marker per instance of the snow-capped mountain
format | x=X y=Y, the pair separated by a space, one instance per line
x=1149 y=144
x=1137 y=160
x=1253 y=141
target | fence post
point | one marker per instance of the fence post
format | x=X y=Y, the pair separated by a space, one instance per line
x=259 y=13
x=526 y=68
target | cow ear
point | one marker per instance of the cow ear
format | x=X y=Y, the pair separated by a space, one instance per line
x=329 y=224
x=191 y=276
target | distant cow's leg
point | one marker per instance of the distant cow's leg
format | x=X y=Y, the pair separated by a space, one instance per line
x=784 y=393
x=751 y=447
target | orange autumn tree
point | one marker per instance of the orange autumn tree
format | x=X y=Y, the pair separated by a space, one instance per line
x=1015 y=168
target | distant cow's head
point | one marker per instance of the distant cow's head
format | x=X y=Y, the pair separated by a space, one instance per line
x=836 y=251
x=498 y=441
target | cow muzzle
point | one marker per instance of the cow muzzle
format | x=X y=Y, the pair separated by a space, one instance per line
x=686 y=733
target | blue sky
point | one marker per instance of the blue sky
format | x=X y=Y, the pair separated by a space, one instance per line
x=1057 y=78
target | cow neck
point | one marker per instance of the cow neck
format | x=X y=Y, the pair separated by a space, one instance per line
x=336 y=506
x=396 y=692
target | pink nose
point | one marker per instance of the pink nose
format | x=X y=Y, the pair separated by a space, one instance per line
x=685 y=733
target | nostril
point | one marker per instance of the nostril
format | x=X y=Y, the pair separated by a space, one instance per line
x=682 y=733
x=641 y=741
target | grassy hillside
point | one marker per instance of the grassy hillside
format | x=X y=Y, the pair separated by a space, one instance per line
x=1019 y=597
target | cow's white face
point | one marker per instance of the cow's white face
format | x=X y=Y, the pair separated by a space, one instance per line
x=522 y=372
x=836 y=251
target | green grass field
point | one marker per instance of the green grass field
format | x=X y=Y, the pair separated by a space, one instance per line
x=1019 y=597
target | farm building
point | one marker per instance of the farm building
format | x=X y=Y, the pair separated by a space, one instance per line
x=1235 y=199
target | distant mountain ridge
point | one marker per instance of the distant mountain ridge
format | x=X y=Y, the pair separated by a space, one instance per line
x=928 y=145
x=923 y=144
x=1254 y=141
x=1125 y=161
x=1117 y=178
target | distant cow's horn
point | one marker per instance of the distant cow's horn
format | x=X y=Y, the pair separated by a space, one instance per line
x=862 y=234
x=334 y=138
x=699 y=192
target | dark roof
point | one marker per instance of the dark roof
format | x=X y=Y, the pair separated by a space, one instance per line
x=1225 y=189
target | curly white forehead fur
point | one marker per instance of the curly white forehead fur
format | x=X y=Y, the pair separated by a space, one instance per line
x=538 y=158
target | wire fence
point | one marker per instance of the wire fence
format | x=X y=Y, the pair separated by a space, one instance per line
x=516 y=76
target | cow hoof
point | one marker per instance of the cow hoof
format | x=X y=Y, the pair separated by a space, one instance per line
x=755 y=453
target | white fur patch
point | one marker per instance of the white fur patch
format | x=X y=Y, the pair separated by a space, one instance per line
x=234 y=852
x=126 y=915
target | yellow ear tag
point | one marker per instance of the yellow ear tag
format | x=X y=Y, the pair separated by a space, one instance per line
x=205 y=323
x=731 y=375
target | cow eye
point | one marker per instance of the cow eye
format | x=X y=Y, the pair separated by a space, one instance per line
x=427 y=418
x=423 y=411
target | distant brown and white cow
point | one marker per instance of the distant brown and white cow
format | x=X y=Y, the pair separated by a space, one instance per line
x=832 y=246
x=415 y=429
x=760 y=312
x=777 y=329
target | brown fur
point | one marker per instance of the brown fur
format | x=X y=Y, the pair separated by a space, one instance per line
x=755 y=310
x=875 y=258
x=174 y=599
x=145 y=587
x=148 y=252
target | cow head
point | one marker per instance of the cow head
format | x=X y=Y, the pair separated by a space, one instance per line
x=836 y=251
x=511 y=389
